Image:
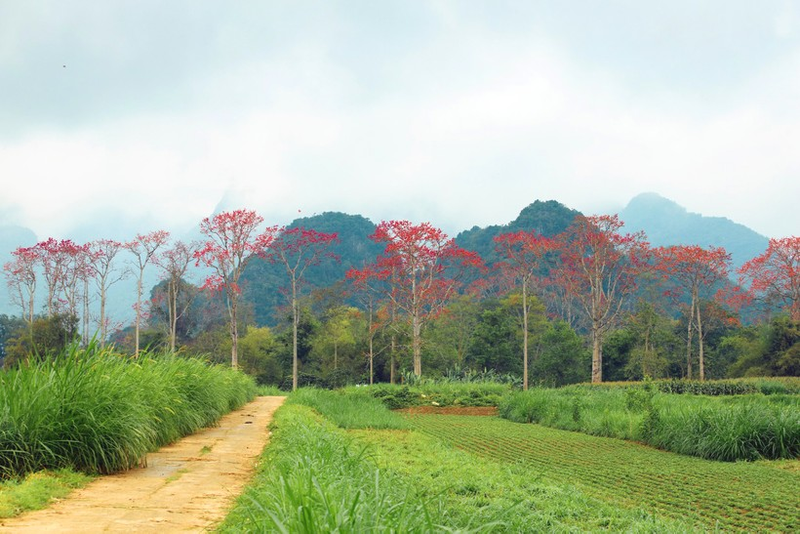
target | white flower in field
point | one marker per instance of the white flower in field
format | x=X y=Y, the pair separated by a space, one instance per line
x=423 y=396
x=435 y=403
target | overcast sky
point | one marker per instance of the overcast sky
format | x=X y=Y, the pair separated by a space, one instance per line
x=146 y=114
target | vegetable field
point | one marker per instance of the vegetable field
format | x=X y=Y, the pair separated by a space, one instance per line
x=755 y=496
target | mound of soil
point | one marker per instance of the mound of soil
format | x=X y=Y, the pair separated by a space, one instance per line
x=451 y=410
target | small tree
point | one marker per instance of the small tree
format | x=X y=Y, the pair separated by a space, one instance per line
x=21 y=279
x=174 y=262
x=233 y=239
x=297 y=249
x=144 y=248
x=103 y=271
x=696 y=270
x=523 y=256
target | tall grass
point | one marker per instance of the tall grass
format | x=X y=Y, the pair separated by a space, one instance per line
x=313 y=479
x=95 y=411
x=745 y=427
x=349 y=408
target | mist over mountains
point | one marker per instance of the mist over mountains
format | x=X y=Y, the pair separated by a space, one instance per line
x=664 y=221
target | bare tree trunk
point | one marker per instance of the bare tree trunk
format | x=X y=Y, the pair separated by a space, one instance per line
x=233 y=305
x=597 y=356
x=138 y=314
x=525 y=335
x=416 y=343
x=295 y=320
x=689 y=321
x=700 y=345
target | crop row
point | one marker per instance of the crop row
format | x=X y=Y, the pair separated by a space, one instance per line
x=731 y=496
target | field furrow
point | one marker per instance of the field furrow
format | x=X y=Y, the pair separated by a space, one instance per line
x=731 y=496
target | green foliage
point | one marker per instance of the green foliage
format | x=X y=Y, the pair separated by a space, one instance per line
x=94 y=411
x=258 y=355
x=46 y=337
x=563 y=357
x=746 y=427
x=313 y=478
x=767 y=350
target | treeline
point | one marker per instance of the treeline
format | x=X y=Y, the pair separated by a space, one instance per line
x=553 y=298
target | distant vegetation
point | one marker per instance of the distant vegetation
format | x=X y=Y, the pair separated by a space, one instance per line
x=356 y=331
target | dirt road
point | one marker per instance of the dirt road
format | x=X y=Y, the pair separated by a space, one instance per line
x=186 y=487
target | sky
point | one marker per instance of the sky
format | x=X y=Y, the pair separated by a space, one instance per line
x=125 y=116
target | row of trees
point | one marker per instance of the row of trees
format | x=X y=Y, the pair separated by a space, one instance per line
x=591 y=276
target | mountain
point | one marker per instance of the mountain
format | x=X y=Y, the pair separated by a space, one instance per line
x=547 y=218
x=264 y=283
x=667 y=223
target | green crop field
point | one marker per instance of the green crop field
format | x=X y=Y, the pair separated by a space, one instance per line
x=755 y=496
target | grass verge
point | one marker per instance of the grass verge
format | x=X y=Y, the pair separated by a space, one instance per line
x=37 y=490
x=97 y=412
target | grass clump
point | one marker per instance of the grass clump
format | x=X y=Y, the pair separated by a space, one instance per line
x=349 y=408
x=313 y=478
x=37 y=490
x=95 y=411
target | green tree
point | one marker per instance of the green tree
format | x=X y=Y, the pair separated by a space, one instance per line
x=563 y=358
x=47 y=336
x=258 y=355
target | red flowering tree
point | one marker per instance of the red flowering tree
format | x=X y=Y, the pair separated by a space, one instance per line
x=175 y=261
x=21 y=279
x=233 y=239
x=599 y=269
x=61 y=265
x=297 y=249
x=695 y=270
x=103 y=270
x=775 y=274
x=144 y=248
x=523 y=256
x=422 y=267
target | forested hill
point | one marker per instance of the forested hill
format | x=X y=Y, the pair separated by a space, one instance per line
x=264 y=283
x=667 y=223
x=548 y=218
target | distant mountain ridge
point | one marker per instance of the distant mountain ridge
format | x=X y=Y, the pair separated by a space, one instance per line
x=664 y=221
x=667 y=223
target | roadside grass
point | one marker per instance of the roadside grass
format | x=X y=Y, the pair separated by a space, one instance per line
x=37 y=490
x=740 y=496
x=728 y=428
x=313 y=478
x=317 y=477
x=95 y=411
